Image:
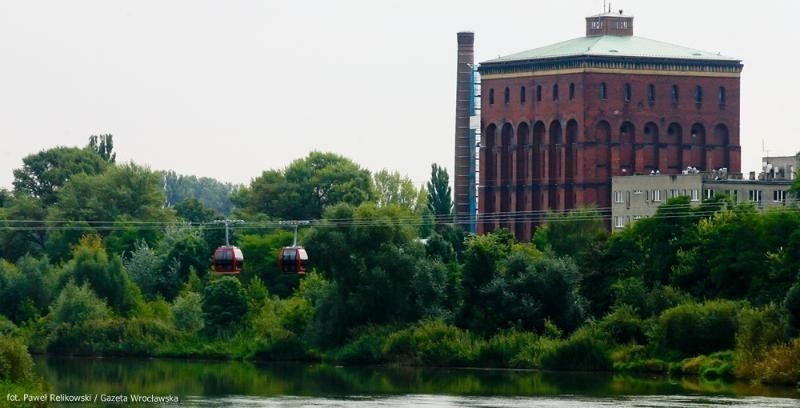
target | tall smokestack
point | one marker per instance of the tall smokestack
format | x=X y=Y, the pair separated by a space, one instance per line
x=464 y=193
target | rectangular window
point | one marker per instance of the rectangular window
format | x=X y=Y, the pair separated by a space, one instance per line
x=656 y=195
x=778 y=196
x=709 y=194
x=695 y=195
x=618 y=197
x=619 y=222
x=735 y=196
x=755 y=196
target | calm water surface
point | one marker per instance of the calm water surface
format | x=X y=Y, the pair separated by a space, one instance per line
x=219 y=384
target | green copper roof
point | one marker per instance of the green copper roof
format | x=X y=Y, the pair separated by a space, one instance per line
x=613 y=46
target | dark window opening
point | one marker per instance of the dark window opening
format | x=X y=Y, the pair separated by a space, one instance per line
x=522 y=95
x=571 y=91
x=627 y=93
x=555 y=92
x=651 y=93
x=721 y=96
x=674 y=93
x=698 y=94
x=538 y=93
x=506 y=95
x=491 y=96
x=603 y=91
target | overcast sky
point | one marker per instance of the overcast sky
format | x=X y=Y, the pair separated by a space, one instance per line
x=228 y=89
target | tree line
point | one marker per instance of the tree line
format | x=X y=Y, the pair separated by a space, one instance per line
x=97 y=260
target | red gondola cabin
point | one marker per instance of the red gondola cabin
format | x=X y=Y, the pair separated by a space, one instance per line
x=293 y=259
x=228 y=260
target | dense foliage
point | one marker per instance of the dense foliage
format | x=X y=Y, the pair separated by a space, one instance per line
x=100 y=260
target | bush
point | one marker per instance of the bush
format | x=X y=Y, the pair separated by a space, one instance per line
x=433 y=343
x=700 y=328
x=780 y=365
x=366 y=348
x=624 y=326
x=650 y=365
x=282 y=345
x=713 y=367
x=136 y=337
x=16 y=365
x=7 y=327
x=187 y=312
x=759 y=330
x=76 y=305
x=583 y=351
x=505 y=349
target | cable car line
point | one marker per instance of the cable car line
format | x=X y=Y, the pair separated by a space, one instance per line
x=672 y=211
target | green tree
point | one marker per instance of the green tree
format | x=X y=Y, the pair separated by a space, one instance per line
x=77 y=305
x=531 y=289
x=192 y=210
x=91 y=265
x=104 y=148
x=151 y=273
x=392 y=188
x=571 y=233
x=187 y=312
x=727 y=256
x=23 y=232
x=211 y=193
x=371 y=284
x=262 y=252
x=440 y=202
x=482 y=259
x=224 y=304
x=124 y=194
x=307 y=187
x=44 y=173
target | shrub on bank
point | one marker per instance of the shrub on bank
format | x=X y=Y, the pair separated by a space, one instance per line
x=16 y=365
x=585 y=350
x=505 y=349
x=715 y=366
x=780 y=365
x=759 y=330
x=624 y=326
x=433 y=343
x=365 y=348
x=700 y=328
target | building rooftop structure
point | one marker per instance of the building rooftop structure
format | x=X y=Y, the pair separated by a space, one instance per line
x=613 y=46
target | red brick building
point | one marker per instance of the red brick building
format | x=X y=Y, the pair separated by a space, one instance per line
x=559 y=121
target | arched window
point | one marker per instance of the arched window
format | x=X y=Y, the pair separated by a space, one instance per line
x=522 y=95
x=603 y=91
x=651 y=93
x=571 y=91
x=506 y=95
x=698 y=94
x=675 y=94
x=626 y=93
x=538 y=93
x=491 y=96
x=721 y=98
x=555 y=92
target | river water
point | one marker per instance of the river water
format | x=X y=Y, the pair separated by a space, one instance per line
x=222 y=384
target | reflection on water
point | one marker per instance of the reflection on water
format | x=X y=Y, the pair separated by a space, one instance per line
x=206 y=384
x=511 y=402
